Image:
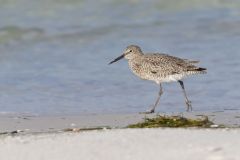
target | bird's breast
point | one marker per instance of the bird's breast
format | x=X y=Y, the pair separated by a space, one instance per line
x=135 y=67
x=138 y=69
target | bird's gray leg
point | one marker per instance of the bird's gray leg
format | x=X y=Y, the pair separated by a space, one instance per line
x=159 y=96
x=157 y=101
x=188 y=103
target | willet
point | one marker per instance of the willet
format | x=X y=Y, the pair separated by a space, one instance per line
x=160 y=68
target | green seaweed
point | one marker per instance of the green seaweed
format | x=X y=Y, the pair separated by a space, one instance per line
x=85 y=129
x=173 y=121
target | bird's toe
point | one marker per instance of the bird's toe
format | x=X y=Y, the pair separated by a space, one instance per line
x=148 y=111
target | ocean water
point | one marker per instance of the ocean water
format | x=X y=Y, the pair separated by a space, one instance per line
x=54 y=54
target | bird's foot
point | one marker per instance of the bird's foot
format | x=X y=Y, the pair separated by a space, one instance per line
x=189 y=105
x=148 y=112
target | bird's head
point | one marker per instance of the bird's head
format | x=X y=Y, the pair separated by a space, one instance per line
x=130 y=52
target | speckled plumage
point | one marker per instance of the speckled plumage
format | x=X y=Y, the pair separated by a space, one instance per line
x=160 y=68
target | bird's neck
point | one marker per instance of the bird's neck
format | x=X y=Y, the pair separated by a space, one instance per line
x=136 y=57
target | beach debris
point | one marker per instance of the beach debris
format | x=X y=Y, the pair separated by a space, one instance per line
x=11 y=132
x=214 y=126
x=85 y=129
x=173 y=121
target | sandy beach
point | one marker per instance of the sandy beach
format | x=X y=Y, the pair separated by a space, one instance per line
x=28 y=137
x=141 y=144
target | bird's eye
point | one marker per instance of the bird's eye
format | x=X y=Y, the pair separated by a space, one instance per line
x=130 y=51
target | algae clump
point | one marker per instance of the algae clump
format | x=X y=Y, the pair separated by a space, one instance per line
x=172 y=121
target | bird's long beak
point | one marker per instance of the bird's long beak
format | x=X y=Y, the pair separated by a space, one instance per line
x=117 y=59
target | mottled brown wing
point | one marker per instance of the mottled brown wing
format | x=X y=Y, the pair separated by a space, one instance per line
x=164 y=65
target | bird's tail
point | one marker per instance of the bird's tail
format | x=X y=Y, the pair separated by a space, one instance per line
x=201 y=69
x=197 y=70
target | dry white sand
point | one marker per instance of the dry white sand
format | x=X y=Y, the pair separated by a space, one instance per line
x=125 y=144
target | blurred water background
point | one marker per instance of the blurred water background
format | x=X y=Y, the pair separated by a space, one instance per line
x=54 y=54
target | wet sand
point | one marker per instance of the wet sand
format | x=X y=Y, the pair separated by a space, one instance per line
x=32 y=124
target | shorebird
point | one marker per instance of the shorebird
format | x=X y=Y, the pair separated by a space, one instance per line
x=160 y=68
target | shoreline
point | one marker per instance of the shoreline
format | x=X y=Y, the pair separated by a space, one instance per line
x=45 y=137
x=43 y=124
